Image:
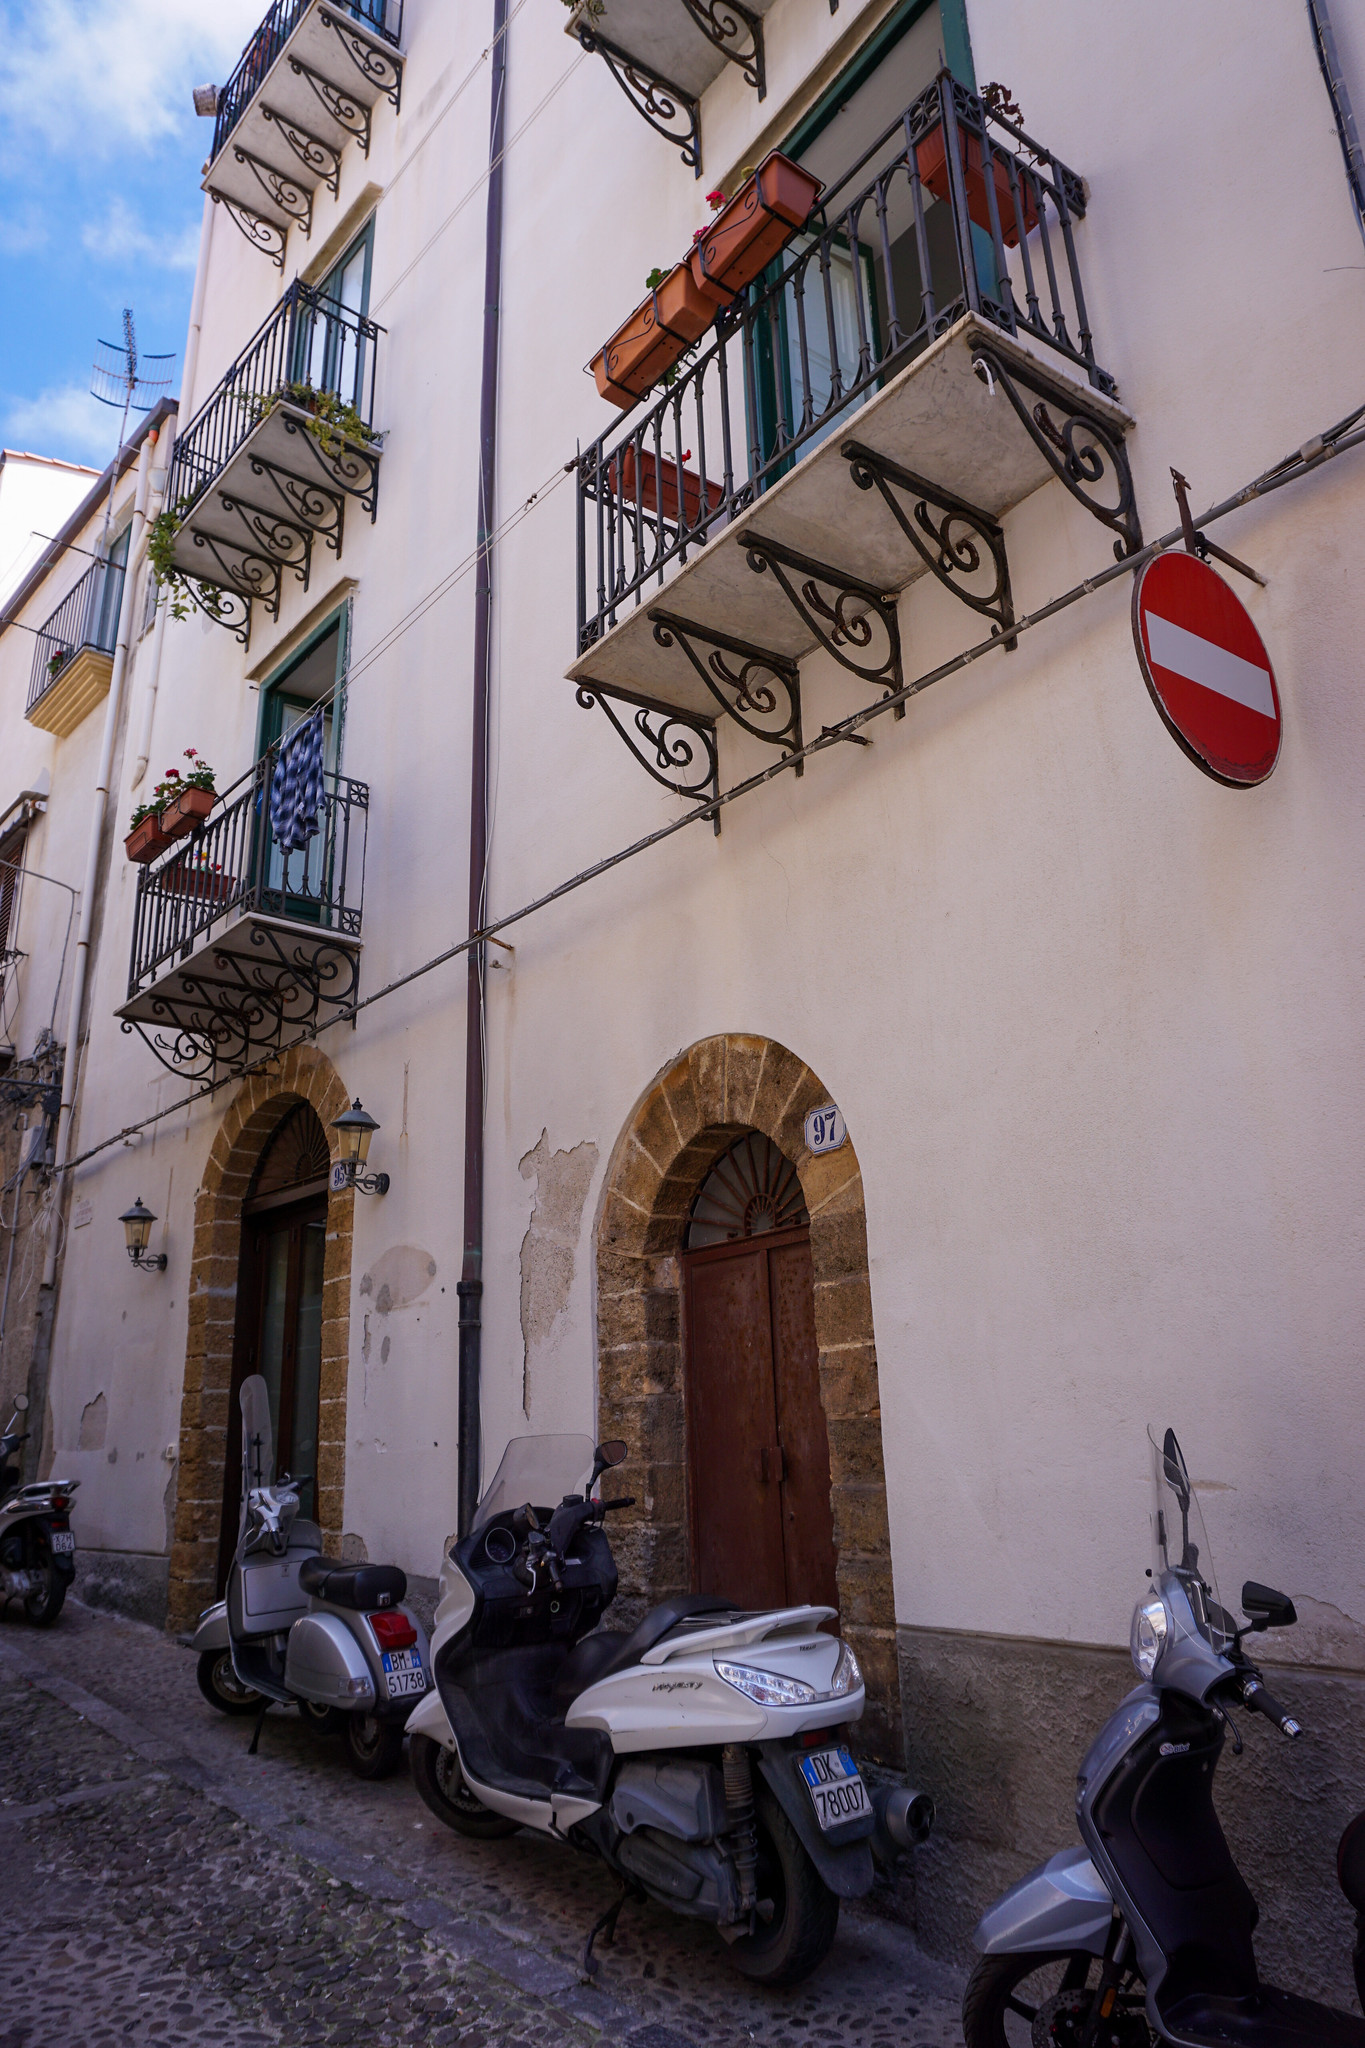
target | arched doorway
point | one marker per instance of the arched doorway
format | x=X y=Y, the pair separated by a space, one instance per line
x=717 y=1092
x=279 y=1310
x=758 y=1477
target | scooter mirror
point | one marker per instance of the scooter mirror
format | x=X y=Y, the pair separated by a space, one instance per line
x=614 y=1452
x=1267 y=1608
x=21 y=1404
x=1177 y=1478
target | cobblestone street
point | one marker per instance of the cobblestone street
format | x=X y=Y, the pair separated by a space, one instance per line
x=161 y=1885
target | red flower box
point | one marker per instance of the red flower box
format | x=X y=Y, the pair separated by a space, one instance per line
x=146 y=840
x=654 y=486
x=753 y=227
x=189 y=809
x=931 y=161
x=673 y=316
x=201 y=885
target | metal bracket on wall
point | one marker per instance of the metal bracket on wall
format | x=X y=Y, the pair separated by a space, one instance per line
x=266 y=235
x=316 y=156
x=671 y=741
x=240 y=570
x=951 y=537
x=280 y=540
x=725 y=23
x=1080 y=450
x=280 y=189
x=320 y=511
x=351 y=469
x=843 y=623
x=379 y=67
x=765 y=687
x=231 y=1011
x=347 y=111
x=669 y=110
x=224 y=607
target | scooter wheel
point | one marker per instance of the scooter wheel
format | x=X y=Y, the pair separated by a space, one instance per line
x=43 y=1608
x=1015 y=2001
x=221 y=1686
x=437 y=1775
x=801 y=1931
x=321 y=1720
x=375 y=1747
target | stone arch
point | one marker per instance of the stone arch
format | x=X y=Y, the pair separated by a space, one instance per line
x=303 y=1074
x=685 y=1119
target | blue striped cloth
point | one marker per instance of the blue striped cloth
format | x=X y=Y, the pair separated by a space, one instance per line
x=296 y=788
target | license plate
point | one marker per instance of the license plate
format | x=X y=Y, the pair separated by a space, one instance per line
x=64 y=1540
x=837 y=1793
x=403 y=1670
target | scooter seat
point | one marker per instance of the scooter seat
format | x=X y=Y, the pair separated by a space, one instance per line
x=585 y=1663
x=353 y=1585
x=659 y=1622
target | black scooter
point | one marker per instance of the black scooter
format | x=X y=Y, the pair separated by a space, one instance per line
x=1144 y=1935
x=37 y=1544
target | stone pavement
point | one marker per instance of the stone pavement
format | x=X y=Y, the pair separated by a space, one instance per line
x=160 y=1885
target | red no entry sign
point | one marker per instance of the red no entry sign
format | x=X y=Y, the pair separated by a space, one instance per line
x=1207 y=669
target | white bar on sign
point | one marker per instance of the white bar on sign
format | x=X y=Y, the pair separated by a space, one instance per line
x=1204 y=661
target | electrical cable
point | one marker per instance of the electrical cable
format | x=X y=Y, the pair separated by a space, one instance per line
x=1314 y=453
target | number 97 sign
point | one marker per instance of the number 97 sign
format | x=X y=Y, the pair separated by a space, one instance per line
x=825 y=1129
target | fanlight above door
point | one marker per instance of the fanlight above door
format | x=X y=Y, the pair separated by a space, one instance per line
x=751 y=1188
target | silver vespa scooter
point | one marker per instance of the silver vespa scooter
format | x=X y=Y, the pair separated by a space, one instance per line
x=305 y=1630
x=37 y=1544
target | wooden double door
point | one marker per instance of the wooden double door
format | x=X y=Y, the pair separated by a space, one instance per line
x=758 y=1451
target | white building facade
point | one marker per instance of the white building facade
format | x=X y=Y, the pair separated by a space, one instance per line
x=989 y=1085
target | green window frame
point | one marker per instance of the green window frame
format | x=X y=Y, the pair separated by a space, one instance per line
x=282 y=709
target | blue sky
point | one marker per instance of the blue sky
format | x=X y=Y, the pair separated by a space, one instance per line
x=100 y=156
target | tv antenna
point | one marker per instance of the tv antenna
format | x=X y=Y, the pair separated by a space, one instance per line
x=124 y=379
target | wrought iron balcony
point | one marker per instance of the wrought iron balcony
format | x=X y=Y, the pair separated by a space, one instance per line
x=266 y=466
x=73 y=654
x=240 y=946
x=306 y=84
x=918 y=364
x=664 y=53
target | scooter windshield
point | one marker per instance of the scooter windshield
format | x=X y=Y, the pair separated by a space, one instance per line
x=258 y=1443
x=538 y=1469
x=1180 y=1540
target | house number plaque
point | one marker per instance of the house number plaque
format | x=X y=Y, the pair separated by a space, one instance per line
x=825 y=1129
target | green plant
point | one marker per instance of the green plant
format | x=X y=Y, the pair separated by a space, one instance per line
x=56 y=662
x=161 y=556
x=333 y=422
x=174 y=784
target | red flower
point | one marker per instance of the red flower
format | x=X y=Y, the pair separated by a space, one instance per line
x=716 y=198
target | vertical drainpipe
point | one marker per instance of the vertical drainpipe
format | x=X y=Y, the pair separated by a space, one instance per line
x=1325 y=43
x=470 y=1285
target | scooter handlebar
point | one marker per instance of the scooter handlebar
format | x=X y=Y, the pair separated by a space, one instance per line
x=1259 y=1701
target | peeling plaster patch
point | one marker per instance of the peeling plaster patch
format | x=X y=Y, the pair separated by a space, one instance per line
x=365 y=1340
x=562 y=1180
x=399 y=1277
x=353 y=1550
x=384 y=1351
x=94 y=1424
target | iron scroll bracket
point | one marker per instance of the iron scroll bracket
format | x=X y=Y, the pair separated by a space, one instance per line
x=346 y=466
x=263 y=234
x=952 y=538
x=239 y=569
x=317 y=157
x=669 y=110
x=233 y=1011
x=725 y=23
x=280 y=540
x=843 y=622
x=763 y=695
x=321 y=512
x=344 y=108
x=670 y=742
x=1079 y=448
x=223 y=607
x=279 y=188
x=380 y=68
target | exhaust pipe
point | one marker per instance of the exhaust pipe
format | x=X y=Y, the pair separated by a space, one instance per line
x=904 y=1819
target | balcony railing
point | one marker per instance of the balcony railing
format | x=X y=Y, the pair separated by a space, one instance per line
x=87 y=617
x=384 y=17
x=882 y=269
x=233 y=865
x=310 y=345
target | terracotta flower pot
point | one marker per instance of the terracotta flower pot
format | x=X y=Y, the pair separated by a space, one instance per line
x=654 y=486
x=673 y=316
x=753 y=227
x=146 y=840
x=931 y=160
x=189 y=809
x=201 y=885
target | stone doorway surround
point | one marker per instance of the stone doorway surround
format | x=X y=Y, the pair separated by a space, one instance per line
x=687 y=1117
x=303 y=1074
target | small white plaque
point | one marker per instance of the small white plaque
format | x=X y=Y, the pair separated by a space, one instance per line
x=82 y=1212
x=825 y=1129
x=341 y=1177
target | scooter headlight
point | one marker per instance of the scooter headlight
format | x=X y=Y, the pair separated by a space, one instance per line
x=766 y=1688
x=847 y=1674
x=1147 y=1640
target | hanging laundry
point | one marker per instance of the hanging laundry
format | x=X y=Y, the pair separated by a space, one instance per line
x=296 y=789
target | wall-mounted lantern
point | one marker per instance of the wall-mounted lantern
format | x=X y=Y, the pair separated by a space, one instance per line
x=137 y=1228
x=356 y=1129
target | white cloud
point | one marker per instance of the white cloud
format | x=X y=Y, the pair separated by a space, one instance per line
x=100 y=75
x=121 y=237
x=66 y=422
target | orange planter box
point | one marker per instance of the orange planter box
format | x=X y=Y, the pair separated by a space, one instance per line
x=201 y=885
x=661 y=327
x=189 y=809
x=654 y=486
x=931 y=161
x=146 y=841
x=753 y=227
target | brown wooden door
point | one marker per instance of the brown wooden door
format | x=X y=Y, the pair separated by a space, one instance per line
x=758 y=1451
x=279 y=1335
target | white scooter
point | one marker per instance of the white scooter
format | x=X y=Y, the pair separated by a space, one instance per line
x=302 y=1629
x=702 y=1755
